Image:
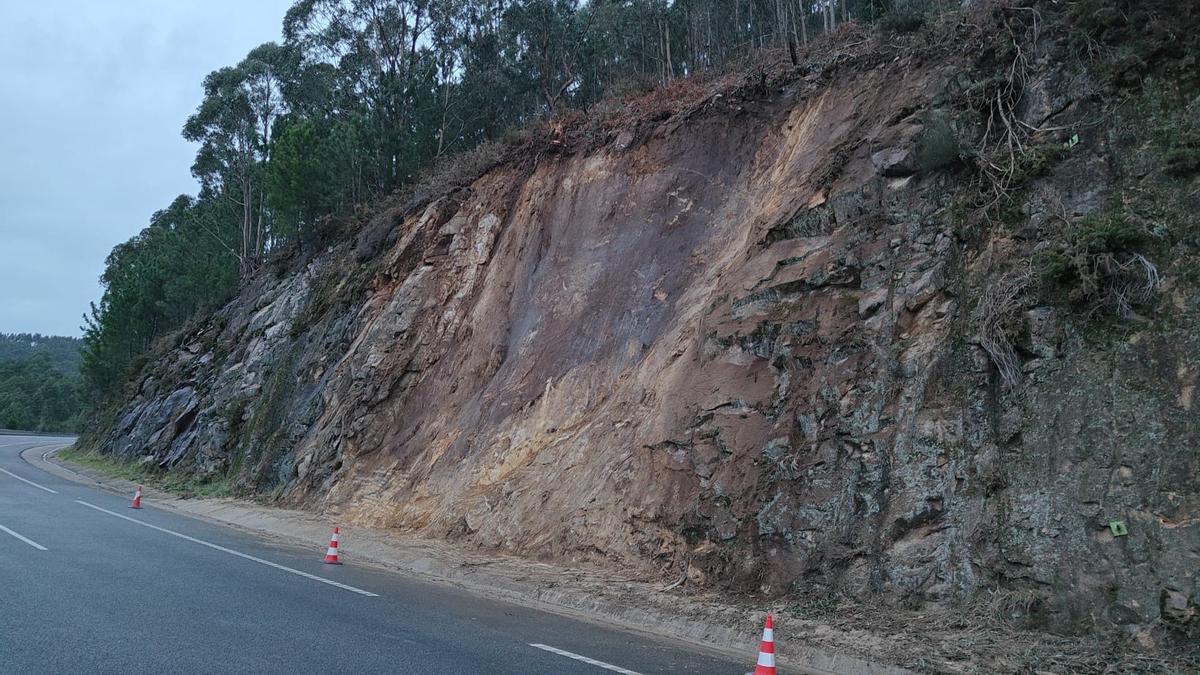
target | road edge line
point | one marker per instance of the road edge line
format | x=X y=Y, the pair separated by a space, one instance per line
x=584 y=659
x=27 y=481
x=23 y=538
x=246 y=556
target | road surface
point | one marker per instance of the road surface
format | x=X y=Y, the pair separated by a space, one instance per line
x=91 y=586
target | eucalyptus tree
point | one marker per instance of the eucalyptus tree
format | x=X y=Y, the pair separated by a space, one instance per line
x=541 y=41
x=269 y=71
x=233 y=126
x=226 y=162
x=374 y=45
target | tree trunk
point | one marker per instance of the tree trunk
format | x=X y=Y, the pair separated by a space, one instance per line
x=445 y=107
x=789 y=33
x=803 y=22
x=667 y=42
x=248 y=225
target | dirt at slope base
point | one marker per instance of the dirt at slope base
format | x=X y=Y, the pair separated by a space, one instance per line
x=772 y=345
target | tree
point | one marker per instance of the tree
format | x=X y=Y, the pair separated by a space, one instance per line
x=267 y=70
x=226 y=162
x=233 y=126
x=374 y=46
x=181 y=264
x=541 y=39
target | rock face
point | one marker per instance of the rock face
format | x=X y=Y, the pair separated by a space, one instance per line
x=742 y=342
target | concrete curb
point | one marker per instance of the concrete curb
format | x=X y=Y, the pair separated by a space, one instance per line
x=638 y=606
x=48 y=434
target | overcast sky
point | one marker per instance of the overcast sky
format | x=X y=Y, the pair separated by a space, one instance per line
x=93 y=94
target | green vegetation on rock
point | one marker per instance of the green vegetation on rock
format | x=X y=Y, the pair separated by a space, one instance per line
x=939 y=145
x=181 y=484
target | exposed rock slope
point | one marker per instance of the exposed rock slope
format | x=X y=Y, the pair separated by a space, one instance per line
x=749 y=341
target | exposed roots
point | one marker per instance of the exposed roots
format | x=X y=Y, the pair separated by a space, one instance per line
x=1004 y=143
x=996 y=321
x=1119 y=281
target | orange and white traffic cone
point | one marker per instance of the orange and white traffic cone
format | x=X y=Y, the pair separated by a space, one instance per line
x=137 y=499
x=331 y=556
x=766 y=652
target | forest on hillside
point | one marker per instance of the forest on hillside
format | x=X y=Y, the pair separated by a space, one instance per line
x=62 y=353
x=365 y=97
x=39 y=382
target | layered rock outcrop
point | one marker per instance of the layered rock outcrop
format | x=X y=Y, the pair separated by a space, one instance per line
x=750 y=341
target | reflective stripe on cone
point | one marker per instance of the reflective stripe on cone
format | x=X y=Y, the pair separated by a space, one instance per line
x=331 y=555
x=766 y=652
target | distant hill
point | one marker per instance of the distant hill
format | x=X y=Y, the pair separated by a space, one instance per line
x=39 y=382
x=61 y=352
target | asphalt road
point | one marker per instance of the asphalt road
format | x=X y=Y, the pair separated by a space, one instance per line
x=91 y=586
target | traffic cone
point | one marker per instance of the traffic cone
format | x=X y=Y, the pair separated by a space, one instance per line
x=137 y=499
x=766 y=652
x=331 y=556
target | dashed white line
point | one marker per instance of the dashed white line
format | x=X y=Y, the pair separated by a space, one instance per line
x=25 y=480
x=589 y=661
x=230 y=551
x=27 y=540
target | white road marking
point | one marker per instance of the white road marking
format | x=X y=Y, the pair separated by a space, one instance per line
x=24 y=539
x=24 y=480
x=577 y=657
x=230 y=551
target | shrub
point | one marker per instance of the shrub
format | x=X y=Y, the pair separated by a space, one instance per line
x=1101 y=265
x=938 y=145
x=1053 y=266
x=1038 y=161
x=1182 y=162
x=1107 y=232
x=526 y=136
x=633 y=86
x=905 y=16
x=457 y=170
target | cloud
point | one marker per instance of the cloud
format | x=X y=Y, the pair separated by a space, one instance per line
x=94 y=97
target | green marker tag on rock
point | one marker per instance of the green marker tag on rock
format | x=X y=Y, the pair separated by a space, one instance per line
x=1118 y=529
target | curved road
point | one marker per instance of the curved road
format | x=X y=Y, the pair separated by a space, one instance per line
x=90 y=586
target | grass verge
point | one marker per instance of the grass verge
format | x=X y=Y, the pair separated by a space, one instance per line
x=180 y=485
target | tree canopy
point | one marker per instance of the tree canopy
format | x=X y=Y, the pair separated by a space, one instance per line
x=61 y=352
x=39 y=382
